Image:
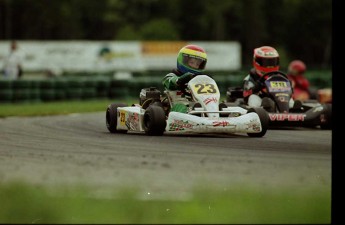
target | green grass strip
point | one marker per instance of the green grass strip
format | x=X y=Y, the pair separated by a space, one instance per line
x=57 y=108
x=22 y=203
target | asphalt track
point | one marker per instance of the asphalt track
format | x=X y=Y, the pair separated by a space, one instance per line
x=78 y=149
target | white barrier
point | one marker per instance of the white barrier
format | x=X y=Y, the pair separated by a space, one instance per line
x=100 y=56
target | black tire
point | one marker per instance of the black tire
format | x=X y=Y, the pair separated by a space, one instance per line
x=111 y=117
x=268 y=104
x=326 y=117
x=264 y=119
x=221 y=107
x=154 y=120
x=197 y=105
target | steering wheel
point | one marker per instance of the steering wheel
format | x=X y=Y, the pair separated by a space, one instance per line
x=269 y=74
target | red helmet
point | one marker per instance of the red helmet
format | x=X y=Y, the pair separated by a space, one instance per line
x=297 y=67
x=265 y=59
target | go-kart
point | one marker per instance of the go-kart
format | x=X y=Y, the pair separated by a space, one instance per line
x=205 y=114
x=276 y=94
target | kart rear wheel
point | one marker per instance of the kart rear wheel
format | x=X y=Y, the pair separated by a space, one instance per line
x=268 y=104
x=326 y=117
x=111 y=117
x=154 y=120
x=264 y=120
x=222 y=106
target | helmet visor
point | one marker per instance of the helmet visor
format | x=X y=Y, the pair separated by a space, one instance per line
x=267 y=62
x=194 y=62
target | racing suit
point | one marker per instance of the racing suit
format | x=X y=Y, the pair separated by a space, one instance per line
x=300 y=85
x=252 y=90
x=176 y=81
x=170 y=80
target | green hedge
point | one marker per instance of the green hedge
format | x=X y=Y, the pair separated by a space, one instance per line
x=78 y=87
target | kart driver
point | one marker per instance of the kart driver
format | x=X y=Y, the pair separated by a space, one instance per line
x=191 y=61
x=265 y=60
x=299 y=82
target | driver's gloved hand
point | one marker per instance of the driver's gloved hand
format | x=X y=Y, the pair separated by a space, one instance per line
x=184 y=78
x=258 y=87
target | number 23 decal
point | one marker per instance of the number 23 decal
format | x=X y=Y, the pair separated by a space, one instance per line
x=206 y=88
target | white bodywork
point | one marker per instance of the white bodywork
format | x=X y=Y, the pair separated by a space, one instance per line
x=204 y=90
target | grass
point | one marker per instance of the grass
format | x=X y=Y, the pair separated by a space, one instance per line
x=23 y=203
x=57 y=108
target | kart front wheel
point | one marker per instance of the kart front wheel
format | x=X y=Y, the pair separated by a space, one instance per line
x=154 y=120
x=111 y=117
x=264 y=120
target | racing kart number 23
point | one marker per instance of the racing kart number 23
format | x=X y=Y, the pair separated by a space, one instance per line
x=205 y=88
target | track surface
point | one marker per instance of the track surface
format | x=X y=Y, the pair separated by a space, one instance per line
x=78 y=149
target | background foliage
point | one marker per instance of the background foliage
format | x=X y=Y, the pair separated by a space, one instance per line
x=297 y=28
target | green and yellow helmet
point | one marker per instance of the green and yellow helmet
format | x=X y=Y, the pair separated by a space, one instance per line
x=191 y=58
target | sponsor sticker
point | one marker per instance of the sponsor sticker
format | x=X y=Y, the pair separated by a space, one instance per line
x=221 y=123
x=286 y=117
x=132 y=122
x=122 y=118
x=209 y=100
x=177 y=125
